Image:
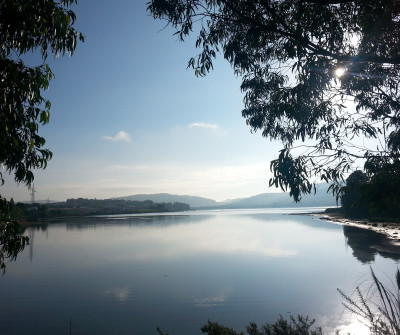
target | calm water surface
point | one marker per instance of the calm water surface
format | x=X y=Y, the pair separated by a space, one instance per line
x=130 y=274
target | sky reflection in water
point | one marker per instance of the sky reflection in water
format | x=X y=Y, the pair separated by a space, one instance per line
x=130 y=275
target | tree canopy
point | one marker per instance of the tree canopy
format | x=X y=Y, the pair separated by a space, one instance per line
x=29 y=26
x=44 y=27
x=321 y=76
x=375 y=196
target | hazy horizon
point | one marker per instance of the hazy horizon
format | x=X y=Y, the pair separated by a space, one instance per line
x=38 y=199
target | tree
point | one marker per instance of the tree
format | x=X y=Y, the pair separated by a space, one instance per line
x=44 y=27
x=353 y=199
x=384 y=195
x=321 y=76
x=376 y=196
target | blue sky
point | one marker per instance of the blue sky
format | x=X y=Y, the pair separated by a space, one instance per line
x=127 y=117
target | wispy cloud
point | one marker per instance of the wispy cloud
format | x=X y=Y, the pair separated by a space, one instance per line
x=203 y=125
x=121 y=136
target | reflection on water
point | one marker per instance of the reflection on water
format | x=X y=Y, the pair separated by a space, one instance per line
x=120 y=294
x=367 y=244
x=130 y=274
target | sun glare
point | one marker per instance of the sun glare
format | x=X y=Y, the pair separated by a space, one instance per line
x=340 y=71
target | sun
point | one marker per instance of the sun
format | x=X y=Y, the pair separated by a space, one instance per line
x=340 y=71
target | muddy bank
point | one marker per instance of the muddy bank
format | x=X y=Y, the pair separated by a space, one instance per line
x=389 y=229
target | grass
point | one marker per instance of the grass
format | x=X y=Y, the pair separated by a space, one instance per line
x=377 y=306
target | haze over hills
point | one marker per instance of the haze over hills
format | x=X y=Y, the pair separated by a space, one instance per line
x=275 y=200
x=321 y=198
x=192 y=201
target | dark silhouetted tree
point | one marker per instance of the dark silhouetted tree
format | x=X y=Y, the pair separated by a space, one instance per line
x=43 y=27
x=317 y=75
x=383 y=191
x=353 y=199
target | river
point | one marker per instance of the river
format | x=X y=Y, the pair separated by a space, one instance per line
x=132 y=274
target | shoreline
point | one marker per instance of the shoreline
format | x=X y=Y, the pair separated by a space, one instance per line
x=390 y=229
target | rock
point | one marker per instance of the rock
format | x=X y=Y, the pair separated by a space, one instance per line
x=326 y=218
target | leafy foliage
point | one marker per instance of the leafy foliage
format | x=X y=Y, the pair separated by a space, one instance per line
x=12 y=241
x=383 y=191
x=317 y=75
x=374 y=194
x=295 y=326
x=214 y=328
x=353 y=199
x=41 y=26
x=27 y=26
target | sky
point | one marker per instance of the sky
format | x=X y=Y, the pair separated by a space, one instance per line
x=127 y=117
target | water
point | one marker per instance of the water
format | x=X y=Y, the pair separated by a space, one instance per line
x=130 y=274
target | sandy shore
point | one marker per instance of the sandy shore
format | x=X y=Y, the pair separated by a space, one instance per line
x=390 y=229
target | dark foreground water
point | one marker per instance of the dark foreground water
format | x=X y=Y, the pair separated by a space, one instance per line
x=128 y=275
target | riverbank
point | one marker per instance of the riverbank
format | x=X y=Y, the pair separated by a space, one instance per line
x=390 y=229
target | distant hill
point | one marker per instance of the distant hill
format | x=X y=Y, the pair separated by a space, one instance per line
x=274 y=200
x=192 y=201
x=320 y=199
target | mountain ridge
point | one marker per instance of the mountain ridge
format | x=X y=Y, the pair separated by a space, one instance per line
x=273 y=200
x=192 y=201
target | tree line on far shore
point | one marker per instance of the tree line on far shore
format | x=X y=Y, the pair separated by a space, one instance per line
x=81 y=207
